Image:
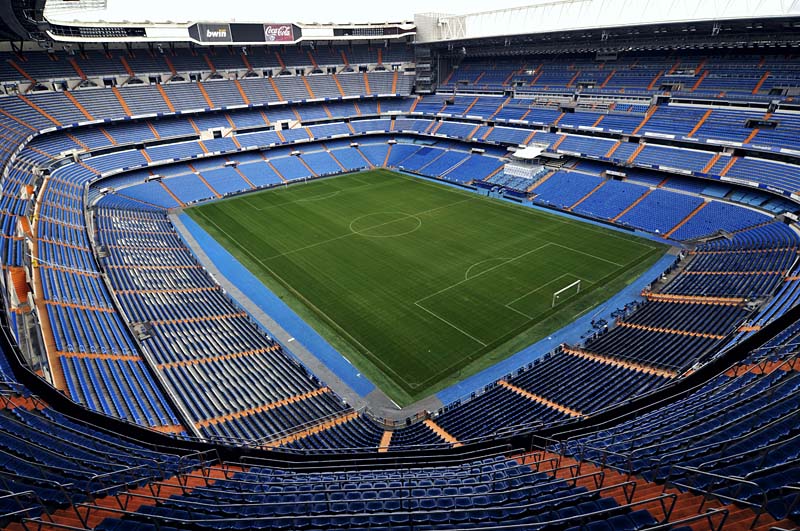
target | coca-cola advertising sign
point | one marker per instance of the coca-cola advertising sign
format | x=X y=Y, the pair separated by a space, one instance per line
x=278 y=33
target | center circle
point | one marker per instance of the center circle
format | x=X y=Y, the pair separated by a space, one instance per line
x=385 y=224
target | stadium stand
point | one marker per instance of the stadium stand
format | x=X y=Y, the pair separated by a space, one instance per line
x=183 y=188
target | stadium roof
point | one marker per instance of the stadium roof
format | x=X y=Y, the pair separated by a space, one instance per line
x=572 y=15
x=185 y=20
x=508 y=17
x=308 y=11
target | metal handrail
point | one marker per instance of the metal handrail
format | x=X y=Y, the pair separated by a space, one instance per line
x=796 y=501
x=528 y=491
x=373 y=461
x=762 y=450
x=581 y=458
x=598 y=478
x=759 y=508
x=16 y=496
x=604 y=462
x=184 y=466
x=721 y=445
x=655 y=447
x=40 y=524
x=103 y=489
x=542 y=504
x=93 y=450
x=708 y=516
x=63 y=488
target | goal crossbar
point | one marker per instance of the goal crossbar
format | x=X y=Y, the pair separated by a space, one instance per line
x=557 y=294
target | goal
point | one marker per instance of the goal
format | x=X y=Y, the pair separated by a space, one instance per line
x=566 y=292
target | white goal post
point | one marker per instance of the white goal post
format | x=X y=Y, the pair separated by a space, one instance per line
x=557 y=295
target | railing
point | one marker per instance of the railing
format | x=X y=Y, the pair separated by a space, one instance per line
x=736 y=485
x=64 y=489
x=404 y=495
x=715 y=518
x=795 y=503
x=708 y=517
x=38 y=524
x=407 y=517
x=604 y=461
x=791 y=364
x=135 y=475
x=7 y=400
x=755 y=489
x=25 y=508
x=371 y=461
x=658 y=463
x=575 y=440
x=15 y=388
x=202 y=458
x=132 y=477
x=742 y=490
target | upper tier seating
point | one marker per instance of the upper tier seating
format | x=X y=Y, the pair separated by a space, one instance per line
x=700 y=75
x=142 y=62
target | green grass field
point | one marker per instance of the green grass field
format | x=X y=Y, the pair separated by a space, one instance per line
x=419 y=284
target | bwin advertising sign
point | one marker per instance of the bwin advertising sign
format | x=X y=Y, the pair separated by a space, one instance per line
x=215 y=32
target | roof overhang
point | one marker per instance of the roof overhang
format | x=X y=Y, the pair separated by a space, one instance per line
x=576 y=15
x=228 y=33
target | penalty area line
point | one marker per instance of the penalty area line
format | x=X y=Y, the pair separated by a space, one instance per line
x=418 y=305
x=588 y=254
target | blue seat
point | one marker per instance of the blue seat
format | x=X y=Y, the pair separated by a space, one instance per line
x=642 y=519
x=621 y=523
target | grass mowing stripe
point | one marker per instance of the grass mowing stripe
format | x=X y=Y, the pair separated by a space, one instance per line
x=557 y=309
x=361 y=230
x=451 y=324
x=526 y=253
x=316 y=310
x=350 y=264
x=320 y=197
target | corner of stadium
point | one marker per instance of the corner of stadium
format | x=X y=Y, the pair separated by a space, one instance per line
x=529 y=268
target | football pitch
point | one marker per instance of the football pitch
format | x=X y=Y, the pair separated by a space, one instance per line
x=420 y=284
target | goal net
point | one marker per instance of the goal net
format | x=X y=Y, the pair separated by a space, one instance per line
x=566 y=292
